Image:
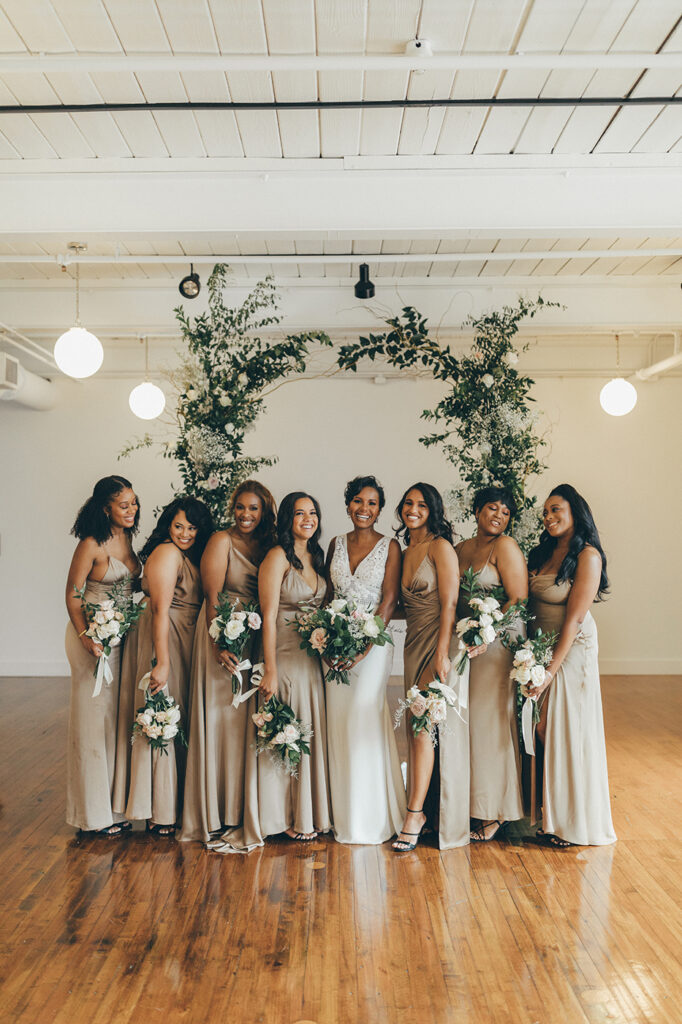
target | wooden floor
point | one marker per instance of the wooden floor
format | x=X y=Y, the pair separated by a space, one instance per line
x=143 y=930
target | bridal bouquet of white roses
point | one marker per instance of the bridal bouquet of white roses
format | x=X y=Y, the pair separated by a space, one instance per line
x=339 y=633
x=282 y=735
x=232 y=629
x=488 y=620
x=159 y=720
x=428 y=707
x=108 y=623
x=531 y=658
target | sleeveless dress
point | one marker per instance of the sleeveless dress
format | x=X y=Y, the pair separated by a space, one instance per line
x=493 y=734
x=576 y=805
x=214 y=781
x=367 y=792
x=152 y=786
x=91 y=748
x=447 y=801
x=274 y=801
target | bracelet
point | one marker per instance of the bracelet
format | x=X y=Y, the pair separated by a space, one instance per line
x=83 y=633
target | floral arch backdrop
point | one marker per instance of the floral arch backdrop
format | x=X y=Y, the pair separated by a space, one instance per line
x=485 y=424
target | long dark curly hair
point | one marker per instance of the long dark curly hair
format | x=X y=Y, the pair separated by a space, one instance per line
x=285 y=534
x=265 y=533
x=437 y=522
x=198 y=515
x=584 y=532
x=93 y=519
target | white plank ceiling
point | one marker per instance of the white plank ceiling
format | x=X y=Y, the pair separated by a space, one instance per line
x=168 y=28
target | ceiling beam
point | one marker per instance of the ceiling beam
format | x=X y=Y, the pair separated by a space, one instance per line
x=84 y=62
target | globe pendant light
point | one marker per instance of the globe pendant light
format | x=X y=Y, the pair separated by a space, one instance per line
x=77 y=352
x=619 y=396
x=147 y=400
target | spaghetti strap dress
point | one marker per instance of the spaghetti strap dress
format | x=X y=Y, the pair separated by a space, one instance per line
x=575 y=800
x=447 y=802
x=218 y=732
x=91 y=745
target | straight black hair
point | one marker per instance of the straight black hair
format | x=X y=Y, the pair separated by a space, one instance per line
x=285 y=535
x=584 y=532
x=437 y=522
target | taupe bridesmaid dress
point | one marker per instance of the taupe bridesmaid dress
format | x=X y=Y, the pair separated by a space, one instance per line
x=493 y=733
x=155 y=780
x=274 y=801
x=91 y=746
x=576 y=805
x=447 y=801
x=214 y=781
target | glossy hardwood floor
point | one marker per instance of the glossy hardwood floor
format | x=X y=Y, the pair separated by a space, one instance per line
x=144 y=930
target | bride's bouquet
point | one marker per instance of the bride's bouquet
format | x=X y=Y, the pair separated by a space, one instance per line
x=282 y=735
x=159 y=720
x=531 y=658
x=109 y=621
x=488 y=620
x=232 y=629
x=429 y=708
x=339 y=633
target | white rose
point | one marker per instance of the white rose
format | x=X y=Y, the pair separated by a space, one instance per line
x=107 y=606
x=229 y=428
x=476 y=602
x=488 y=634
x=511 y=358
x=214 y=629
x=497 y=615
x=119 y=616
x=115 y=627
x=224 y=400
x=462 y=626
x=412 y=693
x=114 y=641
x=438 y=711
x=233 y=629
x=489 y=604
x=370 y=628
x=173 y=716
x=100 y=617
x=523 y=674
x=239 y=616
x=485 y=619
x=278 y=739
x=290 y=733
x=337 y=605
x=523 y=655
x=144 y=718
x=154 y=731
x=242 y=379
x=161 y=717
x=488 y=380
x=169 y=732
x=191 y=394
x=537 y=675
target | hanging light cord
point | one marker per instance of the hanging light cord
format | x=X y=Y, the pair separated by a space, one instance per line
x=78 y=295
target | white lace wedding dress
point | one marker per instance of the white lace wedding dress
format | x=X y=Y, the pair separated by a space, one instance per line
x=368 y=796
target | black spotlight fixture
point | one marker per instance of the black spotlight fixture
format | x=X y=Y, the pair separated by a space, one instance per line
x=190 y=286
x=364 y=289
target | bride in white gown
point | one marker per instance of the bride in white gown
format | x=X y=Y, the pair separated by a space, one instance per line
x=367 y=792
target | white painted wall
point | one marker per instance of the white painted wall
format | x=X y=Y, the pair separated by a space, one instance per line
x=326 y=431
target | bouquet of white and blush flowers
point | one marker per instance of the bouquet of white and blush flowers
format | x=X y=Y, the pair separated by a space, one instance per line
x=428 y=707
x=159 y=720
x=339 y=632
x=282 y=735
x=232 y=629
x=109 y=621
x=531 y=658
x=488 y=620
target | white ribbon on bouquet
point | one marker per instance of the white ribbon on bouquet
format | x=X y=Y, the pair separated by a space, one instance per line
x=256 y=676
x=458 y=687
x=103 y=674
x=527 y=730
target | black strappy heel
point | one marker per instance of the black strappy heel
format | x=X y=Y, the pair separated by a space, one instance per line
x=406 y=847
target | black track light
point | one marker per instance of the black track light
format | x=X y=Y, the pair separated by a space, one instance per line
x=190 y=286
x=364 y=289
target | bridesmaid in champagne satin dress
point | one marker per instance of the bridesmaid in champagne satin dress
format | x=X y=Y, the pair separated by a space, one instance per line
x=149 y=783
x=104 y=527
x=438 y=779
x=290 y=576
x=493 y=734
x=219 y=734
x=568 y=573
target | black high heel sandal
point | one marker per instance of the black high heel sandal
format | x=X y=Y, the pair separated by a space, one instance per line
x=406 y=847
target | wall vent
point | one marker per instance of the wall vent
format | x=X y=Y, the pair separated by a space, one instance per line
x=9 y=372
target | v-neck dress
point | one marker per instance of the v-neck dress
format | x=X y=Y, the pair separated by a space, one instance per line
x=219 y=733
x=152 y=786
x=91 y=746
x=274 y=801
x=447 y=801
x=575 y=800
x=493 y=733
x=367 y=791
